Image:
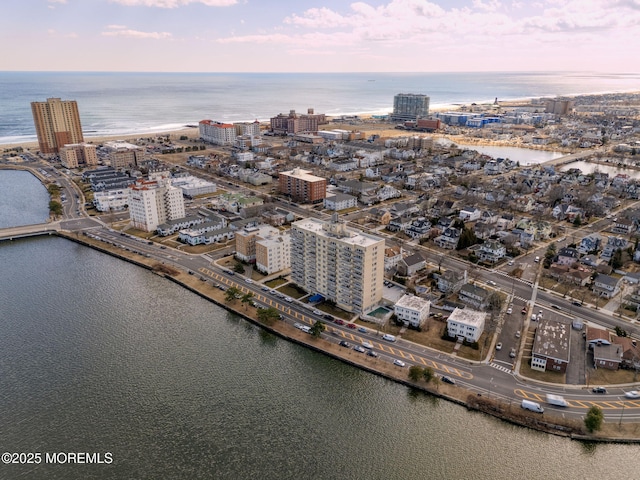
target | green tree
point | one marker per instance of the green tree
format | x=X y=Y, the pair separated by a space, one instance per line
x=231 y=293
x=55 y=208
x=616 y=260
x=246 y=298
x=268 y=315
x=238 y=268
x=53 y=189
x=428 y=374
x=495 y=302
x=317 y=328
x=577 y=221
x=467 y=238
x=551 y=251
x=416 y=372
x=593 y=419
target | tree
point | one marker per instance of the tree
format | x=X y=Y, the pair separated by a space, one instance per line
x=231 y=293
x=55 y=208
x=53 y=189
x=495 y=302
x=467 y=238
x=416 y=372
x=593 y=419
x=238 y=268
x=428 y=374
x=246 y=298
x=268 y=315
x=577 y=222
x=616 y=260
x=317 y=328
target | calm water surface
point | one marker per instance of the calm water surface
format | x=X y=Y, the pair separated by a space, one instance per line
x=97 y=355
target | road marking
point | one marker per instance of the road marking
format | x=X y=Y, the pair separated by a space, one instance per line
x=501 y=368
x=584 y=404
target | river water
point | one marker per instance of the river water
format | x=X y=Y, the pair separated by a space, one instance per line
x=97 y=356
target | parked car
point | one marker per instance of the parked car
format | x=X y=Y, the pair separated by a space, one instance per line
x=599 y=390
x=339 y=321
x=344 y=343
x=362 y=329
x=326 y=316
x=576 y=303
x=352 y=326
x=449 y=380
x=509 y=311
x=371 y=353
x=518 y=334
x=359 y=349
x=512 y=353
x=499 y=346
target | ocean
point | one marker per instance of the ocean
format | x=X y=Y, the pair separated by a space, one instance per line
x=114 y=103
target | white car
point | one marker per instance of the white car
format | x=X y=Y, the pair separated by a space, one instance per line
x=509 y=311
x=399 y=363
x=632 y=394
x=499 y=346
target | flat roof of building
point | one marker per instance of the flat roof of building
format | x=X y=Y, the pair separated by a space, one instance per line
x=466 y=316
x=412 y=302
x=302 y=175
x=355 y=237
x=552 y=340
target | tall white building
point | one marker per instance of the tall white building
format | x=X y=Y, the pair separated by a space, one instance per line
x=410 y=106
x=343 y=265
x=153 y=202
x=273 y=252
x=216 y=132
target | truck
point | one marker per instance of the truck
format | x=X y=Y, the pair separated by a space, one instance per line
x=532 y=406
x=556 y=400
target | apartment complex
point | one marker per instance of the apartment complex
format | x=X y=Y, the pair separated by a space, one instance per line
x=246 y=240
x=57 y=124
x=412 y=310
x=153 y=202
x=410 y=107
x=343 y=265
x=466 y=323
x=295 y=123
x=216 y=132
x=76 y=154
x=123 y=155
x=301 y=186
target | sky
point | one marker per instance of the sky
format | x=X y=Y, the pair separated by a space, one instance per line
x=320 y=35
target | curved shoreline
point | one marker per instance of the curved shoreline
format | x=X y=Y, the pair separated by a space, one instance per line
x=501 y=410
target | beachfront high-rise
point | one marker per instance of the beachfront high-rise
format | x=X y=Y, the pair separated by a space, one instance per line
x=153 y=202
x=57 y=124
x=343 y=265
x=410 y=107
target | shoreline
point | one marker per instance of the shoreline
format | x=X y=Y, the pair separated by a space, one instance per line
x=498 y=409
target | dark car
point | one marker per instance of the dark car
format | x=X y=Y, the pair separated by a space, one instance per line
x=576 y=303
x=327 y=316
x=371 y=353
x=344 y=343
x=599 y=390
x=449 y=380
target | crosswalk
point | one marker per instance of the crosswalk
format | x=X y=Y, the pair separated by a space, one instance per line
x=500 y=367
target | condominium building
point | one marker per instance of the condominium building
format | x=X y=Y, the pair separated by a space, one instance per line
x=466 y=323
x=246 y=239
x=410 y=107
x=295 y=123
x=57 y=124
x=123 y=155
x=273 y=252
x=343 y=265
x=153 y=202
x=217 y=133
x=76 y=154
x=301 y=186
x=412 y=310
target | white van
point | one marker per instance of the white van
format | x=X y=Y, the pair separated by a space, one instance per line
x=532 y=406
x=388 y=337
x=556 y=400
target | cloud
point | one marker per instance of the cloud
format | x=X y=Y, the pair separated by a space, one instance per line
x=57 y=1
x=122 y=31
x=174 y=3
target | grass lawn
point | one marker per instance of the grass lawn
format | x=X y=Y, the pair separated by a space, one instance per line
x=290 y=291
x=276 y=282
x=602 y=376
x=551 y=377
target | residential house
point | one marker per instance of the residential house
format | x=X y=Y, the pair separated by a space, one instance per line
x=484 y=230
x=589 y=244
x=392 y=255
x=597 y=336
x=477 y=297
x=412 y=311
x=419 y=228
x=340 y=201
x=613 y=244
x=411 y=264
x=470 y=214
x=399 y=223
x=623 y=226
x=492 y=251
x=567 y=256
x=380 y=215
x=551 y=346
x=466 y=324
x=607 y=356
x=449 y=239
x=630 y=352
x=606 y=286
x=451 y=281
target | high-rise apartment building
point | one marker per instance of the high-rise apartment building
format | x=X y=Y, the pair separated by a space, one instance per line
x=57 y=124
x=343 y=265
x=410 y=107
x=216 y=132
x=153 y=202
x=301 y=186
x=295 y=123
